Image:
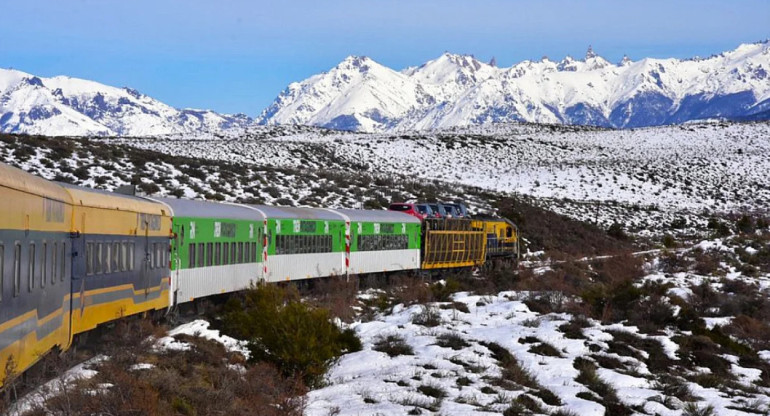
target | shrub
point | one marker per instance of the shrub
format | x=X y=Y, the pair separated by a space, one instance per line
x=674 y=387
x=546 y=349
x=753 y=331
x=432 y=391
x=298 y=339
x=393 y=345
x=511 y=369
x=574 y=328
x=616 y=230
x=451 y=340
x=692 y=409
x=442 y=292
x=428 y=316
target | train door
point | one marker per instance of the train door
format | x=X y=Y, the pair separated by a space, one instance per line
x=146 y=260
x=77 y=270
x=176 y=262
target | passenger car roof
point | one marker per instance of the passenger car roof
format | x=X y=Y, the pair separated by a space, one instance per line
x=377 y=216
x=97 y=198
x=14 y=178
x=299 y=213
x=207 y=209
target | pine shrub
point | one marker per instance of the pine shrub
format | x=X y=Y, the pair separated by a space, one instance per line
x=298 y=339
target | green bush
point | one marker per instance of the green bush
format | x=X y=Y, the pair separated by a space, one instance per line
x=298 y=339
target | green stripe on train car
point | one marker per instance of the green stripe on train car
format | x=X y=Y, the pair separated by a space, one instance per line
x=221 y=235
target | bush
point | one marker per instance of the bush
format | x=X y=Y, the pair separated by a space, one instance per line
x=393 y=345
x=298 y=339
x=511 y=369
x=452 y=340
x=748 y=329
x=432 y=391
x=692 y=409
x=428 y=316
x=546 y=349
x=574 y=328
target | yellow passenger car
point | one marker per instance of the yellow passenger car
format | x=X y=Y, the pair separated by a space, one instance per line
x=35 y=269
x=120 y=257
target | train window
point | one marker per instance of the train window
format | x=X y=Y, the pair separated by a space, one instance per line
x=209 y=254
x=44 y=266
x=2 y=269
x=131 y=251
x=54 y=264
x=225 y=253
x=253 y=252
x=201 y=254
x=31 y=267
x=115 y=257
x=89 y=259
x=107 y=262
x=159 y=255
x=97 y=258
x=191 y=260
x=217 y=254
x=123 y=256
x=240 y=253
x=63 y=262
x=233 y=253
x=509 y=232
x=16 y=269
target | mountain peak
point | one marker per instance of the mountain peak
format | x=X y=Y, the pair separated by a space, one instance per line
x=590 y=53
x=357 y=61
x=463 y=61
x=626 y=61
x=567 y=64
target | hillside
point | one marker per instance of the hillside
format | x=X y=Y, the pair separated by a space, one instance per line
x=640 y=178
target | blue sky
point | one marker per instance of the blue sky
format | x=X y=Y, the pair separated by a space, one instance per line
x=236 y=56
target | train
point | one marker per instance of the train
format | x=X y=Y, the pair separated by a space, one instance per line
x=74 y=258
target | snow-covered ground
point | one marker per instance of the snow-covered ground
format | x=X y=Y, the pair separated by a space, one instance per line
x=371 y=382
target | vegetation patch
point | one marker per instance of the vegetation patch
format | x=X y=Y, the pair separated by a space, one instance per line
x=393 y=345
x=282 y=330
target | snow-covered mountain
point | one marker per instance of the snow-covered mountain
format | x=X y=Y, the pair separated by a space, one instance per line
x=454 y=90
x=75 y=107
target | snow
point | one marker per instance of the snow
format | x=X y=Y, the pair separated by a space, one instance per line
x=711 y=323
x=200 y=328
x=371 y=382
x=52 y=388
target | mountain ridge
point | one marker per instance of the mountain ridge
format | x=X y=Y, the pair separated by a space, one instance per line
x=453 y=90
x=67 y=106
